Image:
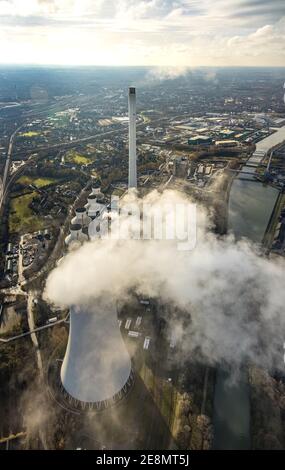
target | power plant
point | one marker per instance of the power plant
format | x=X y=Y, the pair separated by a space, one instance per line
x=97 y=371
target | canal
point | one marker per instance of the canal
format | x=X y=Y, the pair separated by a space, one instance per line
x=250 y=207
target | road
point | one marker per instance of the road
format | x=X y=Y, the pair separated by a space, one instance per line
x=7 y=166
x=12 y=437
x=31 y=323
x=21 y=277
x=30 y=332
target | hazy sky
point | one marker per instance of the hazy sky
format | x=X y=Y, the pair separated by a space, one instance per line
x=143 y=32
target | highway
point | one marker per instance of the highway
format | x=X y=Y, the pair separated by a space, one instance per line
x=7 y=166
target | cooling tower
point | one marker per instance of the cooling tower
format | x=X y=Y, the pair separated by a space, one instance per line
x=96 y=370
x=132 y=139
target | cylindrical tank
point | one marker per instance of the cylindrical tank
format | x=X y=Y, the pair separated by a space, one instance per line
x=96 y=190
x=47 y=235
x=76 y=235
x=95 y=205
x=81 y=217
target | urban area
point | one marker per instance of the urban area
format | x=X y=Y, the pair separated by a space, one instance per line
x=69 y=140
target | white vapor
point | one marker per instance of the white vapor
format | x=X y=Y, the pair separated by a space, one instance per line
x=157 y=74
x=232 y=298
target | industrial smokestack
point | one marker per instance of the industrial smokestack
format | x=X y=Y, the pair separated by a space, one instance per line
x=132 y=139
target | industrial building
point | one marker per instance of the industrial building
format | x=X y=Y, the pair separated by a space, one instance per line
x=226 y=143
x=200 y=140
x=226 y=133
x=181 y=166
x=94 y=210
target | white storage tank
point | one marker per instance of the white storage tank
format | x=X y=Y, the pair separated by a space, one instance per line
x=76 y=235
x=81 y=217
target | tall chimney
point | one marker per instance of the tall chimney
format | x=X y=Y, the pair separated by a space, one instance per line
x=132 y=139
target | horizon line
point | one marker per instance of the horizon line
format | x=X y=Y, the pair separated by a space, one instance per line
x=32 y=64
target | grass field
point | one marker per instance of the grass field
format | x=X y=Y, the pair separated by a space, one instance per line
x=30 y=134
x=39 y=182
x=21 y=218
x=162 y=392
x=75 y=157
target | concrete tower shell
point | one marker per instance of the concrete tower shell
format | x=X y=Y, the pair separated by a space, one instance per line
x=132 y=139
x=97 y=367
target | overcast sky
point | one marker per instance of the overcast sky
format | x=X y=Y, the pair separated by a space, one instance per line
x=143 y=32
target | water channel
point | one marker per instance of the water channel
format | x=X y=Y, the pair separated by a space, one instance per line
x=250 y=207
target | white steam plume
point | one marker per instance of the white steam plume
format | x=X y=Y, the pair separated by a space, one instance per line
x=232 y=298
x=166 y=73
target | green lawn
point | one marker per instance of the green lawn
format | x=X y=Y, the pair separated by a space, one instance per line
x=39 y=182
x=21 y=218
x=75 y=157
x=30 y=134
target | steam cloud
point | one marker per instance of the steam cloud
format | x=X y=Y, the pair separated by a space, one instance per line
x=231 y=297
x=166 y=73
x=159 y=74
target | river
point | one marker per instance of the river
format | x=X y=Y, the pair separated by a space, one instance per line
x=250 y=207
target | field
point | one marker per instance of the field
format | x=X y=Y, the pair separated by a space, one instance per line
x=163 y=393
x=75 y=157
x=21 y=217
x=30 y=134
x=38 y=182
